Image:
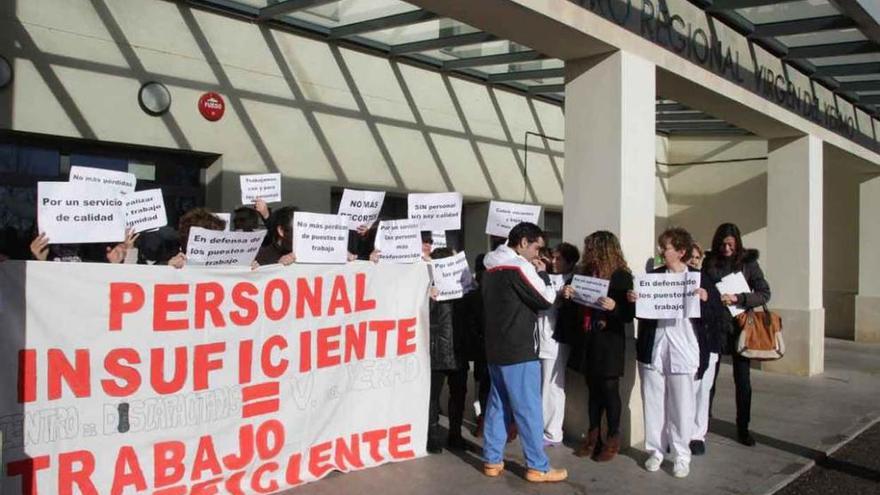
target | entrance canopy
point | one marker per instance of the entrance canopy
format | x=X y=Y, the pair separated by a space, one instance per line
x=401 y=30
x=836 y=42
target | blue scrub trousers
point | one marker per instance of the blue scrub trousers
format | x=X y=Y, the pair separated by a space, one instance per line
x=517 y=388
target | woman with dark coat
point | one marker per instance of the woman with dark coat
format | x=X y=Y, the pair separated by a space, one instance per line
x=672 y=355
x=604 y=341
x=729 y=256
x=449 y=328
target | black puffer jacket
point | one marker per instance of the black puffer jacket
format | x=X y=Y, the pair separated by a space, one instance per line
x=449 y=334
x=724 y=327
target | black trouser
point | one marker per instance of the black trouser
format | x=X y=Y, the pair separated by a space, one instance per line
x=457 y=380
x=743 y=385
x=481 y=376
x=605 y=397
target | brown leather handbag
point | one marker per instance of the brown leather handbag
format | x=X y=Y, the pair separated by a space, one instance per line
x=761 y=335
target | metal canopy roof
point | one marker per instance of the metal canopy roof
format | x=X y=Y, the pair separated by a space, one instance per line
x=404 y=31
x=835 y=42
x=401 y=30
x=676 y=119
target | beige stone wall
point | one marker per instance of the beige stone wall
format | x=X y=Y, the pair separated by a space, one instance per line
x=702 y=196
x=843 y=176
x=319 y=114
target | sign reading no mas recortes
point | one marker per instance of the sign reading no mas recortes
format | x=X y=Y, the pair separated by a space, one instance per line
x=361 y=208
x=669 y=24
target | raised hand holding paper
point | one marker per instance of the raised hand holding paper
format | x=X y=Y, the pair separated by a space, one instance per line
x=145 y=210
x=123 y=182
x=320 y=238
x=399 y=241
x=260 y=186
x=588 y=290
x=361 y=208
x=504 y=216
x=73 y=212
x=668 y=295
x=452 y=277
x=435 y=211
x=222 y=248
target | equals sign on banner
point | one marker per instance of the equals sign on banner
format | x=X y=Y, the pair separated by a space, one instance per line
x=260 y=399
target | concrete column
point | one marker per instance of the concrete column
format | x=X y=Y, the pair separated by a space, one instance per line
x=868 y=299
x=609 y=176
x=794 y=251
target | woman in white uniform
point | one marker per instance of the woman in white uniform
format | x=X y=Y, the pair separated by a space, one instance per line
x=553 y=346
x=671 y=355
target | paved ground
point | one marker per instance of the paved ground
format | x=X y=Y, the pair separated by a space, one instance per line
x=795 y=420
x=852 y=470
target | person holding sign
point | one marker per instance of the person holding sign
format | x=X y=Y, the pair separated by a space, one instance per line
x=553 y=347
x=451 y=322
x=515 y=287
x=280 y=248
x=671 y=354
x=95 y=252
x=728 y=256
x=197 y=217
x=604 y=338
x=250 y=218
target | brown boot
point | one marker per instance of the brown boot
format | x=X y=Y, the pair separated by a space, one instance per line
x=611 y=448
x=588 y=448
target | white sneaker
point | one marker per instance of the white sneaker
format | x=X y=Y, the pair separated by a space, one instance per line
x=653 y=463
x=681 y=469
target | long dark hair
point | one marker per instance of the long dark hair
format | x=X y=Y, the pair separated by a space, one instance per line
x=723 y=231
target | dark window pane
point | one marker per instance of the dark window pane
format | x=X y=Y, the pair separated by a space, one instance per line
x=118 y=164
x=7 y=158
x=37 y=161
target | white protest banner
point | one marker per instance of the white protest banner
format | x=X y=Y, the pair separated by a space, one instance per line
x=221 y=248
x=399 y=241
x=133 y=379
x=361 y=208
x=320 y=238
x=668 y=295
x=260 y=186
x=123 y=182
x=587 y=290
x=733 y=283
x=73 y=212
x=226 y=217
x=504 y=216
x=145 y=210
x=438 y=239
x=435 y=211
x=452 y=277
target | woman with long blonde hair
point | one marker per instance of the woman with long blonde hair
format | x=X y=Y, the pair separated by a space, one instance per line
x=604 y=341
